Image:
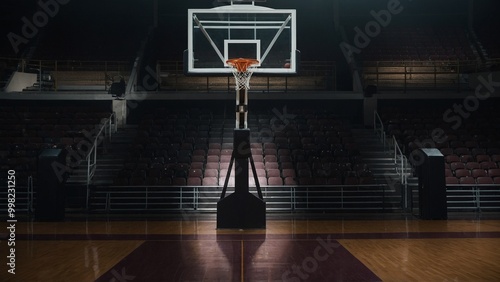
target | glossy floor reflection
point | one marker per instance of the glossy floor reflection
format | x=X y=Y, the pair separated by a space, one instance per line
x=247 y=259
x=288 y=250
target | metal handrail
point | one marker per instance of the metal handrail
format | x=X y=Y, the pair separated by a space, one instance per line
x=191 y=195
x=380 y=130
x=398 y=155
x=401 y=163
x=264 y=186
x=30 y=194
x=473 y=185
x=400 y=159
x=106 y=130
x=408 y=74
x=173 y=78
x=97 y=73
x=476 y=194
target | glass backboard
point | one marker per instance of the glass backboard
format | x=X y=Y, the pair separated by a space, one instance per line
x=241 y=31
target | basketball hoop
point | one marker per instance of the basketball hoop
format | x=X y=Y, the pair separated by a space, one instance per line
x=242 y=70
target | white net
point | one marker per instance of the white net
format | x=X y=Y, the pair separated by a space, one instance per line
x=242 y=78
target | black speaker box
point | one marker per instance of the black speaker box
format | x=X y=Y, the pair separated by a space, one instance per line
x=49 y=187
x=432 y=185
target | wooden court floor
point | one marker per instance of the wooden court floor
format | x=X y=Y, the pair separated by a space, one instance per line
x=287 y=250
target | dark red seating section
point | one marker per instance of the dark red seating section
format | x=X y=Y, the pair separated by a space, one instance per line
x=471 y=150
x=419 y=44
x=24 y=131
x=193 y=147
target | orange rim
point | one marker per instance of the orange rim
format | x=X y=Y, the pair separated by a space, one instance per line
x=242 y=64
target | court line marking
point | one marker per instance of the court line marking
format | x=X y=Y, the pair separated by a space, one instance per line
x=237 y=237
x=242 y=262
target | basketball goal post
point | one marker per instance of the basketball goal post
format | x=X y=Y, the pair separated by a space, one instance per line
x=241 y=38
x=241 y=209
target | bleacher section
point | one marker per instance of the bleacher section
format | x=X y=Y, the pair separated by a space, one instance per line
x=194 y=148
x=420 y=44
x=419 y=57
x=306 y=159
x=25 y=131
x=470 y=146
x=71 y=75
x=178 y=147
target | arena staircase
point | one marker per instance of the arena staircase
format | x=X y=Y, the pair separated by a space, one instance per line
x=110 y=159
x=109 y=163
x=385 y=196
x=383 y=163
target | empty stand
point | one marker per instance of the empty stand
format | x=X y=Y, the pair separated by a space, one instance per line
x=469 y=150
x=186 y=148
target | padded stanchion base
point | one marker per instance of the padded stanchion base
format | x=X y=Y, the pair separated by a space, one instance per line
x=241 y=211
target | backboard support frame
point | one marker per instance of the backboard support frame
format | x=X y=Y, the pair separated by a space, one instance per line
x=287 y=23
